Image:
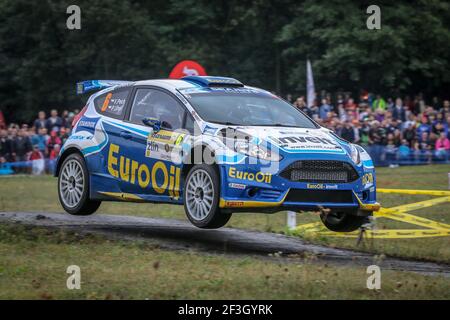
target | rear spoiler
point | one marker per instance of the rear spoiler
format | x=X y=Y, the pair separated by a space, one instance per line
x=91 y=85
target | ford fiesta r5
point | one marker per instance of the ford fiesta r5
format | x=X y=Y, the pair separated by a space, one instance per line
x=213 y=145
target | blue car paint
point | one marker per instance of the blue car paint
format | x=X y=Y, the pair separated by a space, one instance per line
x=105 y=186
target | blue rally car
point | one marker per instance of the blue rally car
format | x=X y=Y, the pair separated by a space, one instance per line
x=213 y=145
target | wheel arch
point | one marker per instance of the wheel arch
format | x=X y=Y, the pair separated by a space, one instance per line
x=189 y=160
x=63 y=157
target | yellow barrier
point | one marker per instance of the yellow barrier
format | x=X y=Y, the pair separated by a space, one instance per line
x=398 y=213
x=425 y=192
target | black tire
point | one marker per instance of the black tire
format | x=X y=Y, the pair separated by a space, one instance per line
x=84 y=206
x=212 y=217
x=342 y=221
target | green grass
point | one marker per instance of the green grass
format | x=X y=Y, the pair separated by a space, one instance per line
x=33 y=264
x=27 y=193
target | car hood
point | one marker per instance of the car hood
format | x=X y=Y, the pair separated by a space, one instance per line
x=293 y=140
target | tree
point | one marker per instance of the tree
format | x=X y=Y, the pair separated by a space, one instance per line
x=410 y=52
x=263 y=43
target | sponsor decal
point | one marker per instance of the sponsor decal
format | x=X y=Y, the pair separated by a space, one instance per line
x=161 y=136
x=106 y=102
x=113 y=104
x=131 y=171
x=249 y=176
x=210 y=130
x=182 y=98
x=87 y=124
x=79 y=137
x=367 y=179
x=195 y=115
x=180 y=139
x=315 y=186
x=305 y=141
x=322 y=186
x=151 y=147
x=234 y=204
x=237 y=186
x=160 y=145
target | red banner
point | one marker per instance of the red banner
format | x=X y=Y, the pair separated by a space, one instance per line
x=2 y=121
x=187 y=68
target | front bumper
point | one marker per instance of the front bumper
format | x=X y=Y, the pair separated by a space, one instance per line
x=245 y=188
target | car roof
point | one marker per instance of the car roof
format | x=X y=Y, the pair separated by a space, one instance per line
x=174 y=83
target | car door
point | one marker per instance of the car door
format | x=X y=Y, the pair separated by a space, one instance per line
x=158 y=153
x=108 y=134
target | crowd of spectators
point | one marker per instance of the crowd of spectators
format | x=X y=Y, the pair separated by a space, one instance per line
x=392 y=130
x=33 y=149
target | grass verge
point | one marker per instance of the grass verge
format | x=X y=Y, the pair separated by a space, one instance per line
x=27 y=193
x=34 y=261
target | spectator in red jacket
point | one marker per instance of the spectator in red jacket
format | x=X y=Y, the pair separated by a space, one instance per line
x=52 y=141
x=38 y=162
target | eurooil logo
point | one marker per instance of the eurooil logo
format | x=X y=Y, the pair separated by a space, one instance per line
x=315 y=186
x=249 y=176
x=131 y=171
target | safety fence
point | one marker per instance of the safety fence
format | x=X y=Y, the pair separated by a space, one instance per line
x=422 y=227
x=385 y=156
x=381 y=155
x=36 y=167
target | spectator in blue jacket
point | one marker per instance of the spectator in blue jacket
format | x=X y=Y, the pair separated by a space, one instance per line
x=423 y=127
x=324 y=109
x=404 y=151
x=40 y=140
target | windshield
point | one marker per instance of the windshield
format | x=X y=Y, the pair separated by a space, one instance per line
x=247 y=109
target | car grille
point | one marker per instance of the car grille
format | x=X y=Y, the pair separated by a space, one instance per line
x=320 y=196
x=323 y=171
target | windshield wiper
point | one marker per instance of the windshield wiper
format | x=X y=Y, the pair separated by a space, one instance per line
x=226 y=123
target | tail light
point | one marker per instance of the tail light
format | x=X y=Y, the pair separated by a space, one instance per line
x=78 y=116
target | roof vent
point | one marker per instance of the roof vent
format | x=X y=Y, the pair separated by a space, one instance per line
x=206 y=81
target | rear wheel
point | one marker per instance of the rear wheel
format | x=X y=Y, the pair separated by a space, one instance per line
x=201 y=198
x=342 y=221
x=73 y=187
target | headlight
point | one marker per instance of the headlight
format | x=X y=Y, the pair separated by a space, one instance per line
x=354 y=154
x=254 y=150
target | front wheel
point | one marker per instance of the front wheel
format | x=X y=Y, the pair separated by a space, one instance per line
x=201 y=198
x=73 y=187
x=342 y=221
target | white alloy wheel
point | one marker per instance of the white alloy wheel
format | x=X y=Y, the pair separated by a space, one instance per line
x=199 y=195
x=71 y=183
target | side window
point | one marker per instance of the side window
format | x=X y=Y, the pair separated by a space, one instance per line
x=190 y=125
x=112 y=104
x=157 y=104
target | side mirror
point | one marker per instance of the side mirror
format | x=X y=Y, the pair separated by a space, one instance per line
x=152 y=122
